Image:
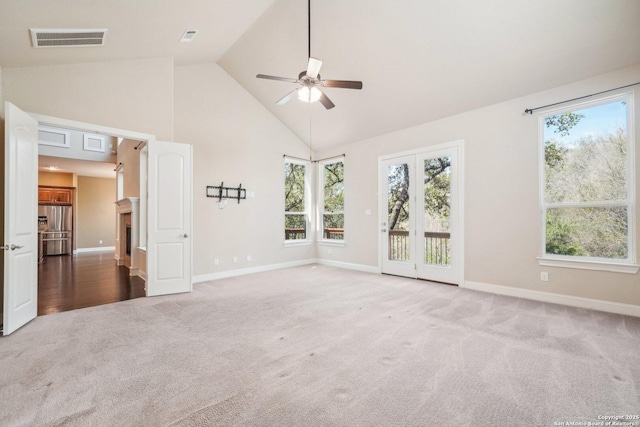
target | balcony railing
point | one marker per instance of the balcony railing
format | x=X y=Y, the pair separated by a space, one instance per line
x=436 y=247
x=300 y=234
x=295 y=234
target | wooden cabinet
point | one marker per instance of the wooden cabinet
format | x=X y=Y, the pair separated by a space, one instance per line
x=55 y=195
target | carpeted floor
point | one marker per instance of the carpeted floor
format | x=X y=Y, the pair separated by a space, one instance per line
x=319 y=346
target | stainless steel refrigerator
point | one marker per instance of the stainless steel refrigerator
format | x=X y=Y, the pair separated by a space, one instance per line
x=57 y=229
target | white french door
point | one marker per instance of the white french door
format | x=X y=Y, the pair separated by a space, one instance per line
x=20 y=258
x=421 y=218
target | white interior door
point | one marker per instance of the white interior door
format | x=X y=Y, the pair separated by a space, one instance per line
x=421 y=214
x=397 y=208
x=20 y=219
x=438 y=211
x=169 y=242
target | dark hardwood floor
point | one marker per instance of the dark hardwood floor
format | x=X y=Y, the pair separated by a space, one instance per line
x=68 y=282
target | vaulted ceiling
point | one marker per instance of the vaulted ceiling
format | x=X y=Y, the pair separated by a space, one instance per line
x=420 y=60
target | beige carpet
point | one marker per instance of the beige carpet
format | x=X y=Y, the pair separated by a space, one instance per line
x=316 y=346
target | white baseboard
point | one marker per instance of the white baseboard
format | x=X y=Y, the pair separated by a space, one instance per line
x=98 y=249
x=242 y=271
x=348 y=266
x=593 y=304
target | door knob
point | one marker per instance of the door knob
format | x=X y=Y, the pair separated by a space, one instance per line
x=384 y=230
x=185 y=235
x=14 y=247
x=5 y=247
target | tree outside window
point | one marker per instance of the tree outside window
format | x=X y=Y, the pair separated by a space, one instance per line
x=586 y=199
x=333 y=200
x=295 y=200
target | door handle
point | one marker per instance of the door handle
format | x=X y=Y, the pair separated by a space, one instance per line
x=185 y=235
x=384 y=230
x=14 y=247
x=5 y=247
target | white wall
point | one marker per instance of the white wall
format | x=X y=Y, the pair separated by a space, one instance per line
x=130 y=159
x=501 y=213
x=135 y=95
x=235 y=140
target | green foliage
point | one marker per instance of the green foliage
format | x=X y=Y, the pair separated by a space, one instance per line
x=554 y=154
x=563 y=123
x=294 y=187
x=294 y=192
x=559 y=237
x=333 y=199
x=437 y=191
x=398 y=196
x=334 y=187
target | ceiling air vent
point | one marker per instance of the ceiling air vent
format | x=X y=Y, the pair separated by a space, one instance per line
x=188 y=36
x=67 y=38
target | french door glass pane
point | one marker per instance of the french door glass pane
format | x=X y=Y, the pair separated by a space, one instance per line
x=398 y=212
x=437 y=208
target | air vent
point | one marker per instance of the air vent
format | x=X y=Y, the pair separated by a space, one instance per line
x=188 y=36
x=67 y=38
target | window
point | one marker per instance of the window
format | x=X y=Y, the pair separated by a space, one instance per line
x=296 y=200
x=588 y=185
x=332 y=206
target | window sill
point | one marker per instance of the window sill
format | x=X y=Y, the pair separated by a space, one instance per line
x=292 y=243
x=614 y=267
x=338 y=243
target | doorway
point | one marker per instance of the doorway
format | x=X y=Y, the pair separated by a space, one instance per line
x=421 y=213
x=168 y=217
x=86 y=273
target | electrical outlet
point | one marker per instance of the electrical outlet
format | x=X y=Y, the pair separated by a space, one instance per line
x=329 y=251
x=544 y=276
x=100 y=241
x=248 y=257
x=216 y=261
x=235 y=259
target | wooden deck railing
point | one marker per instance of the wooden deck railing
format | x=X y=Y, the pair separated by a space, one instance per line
x=436 y=244
x=300 y=234
x=436 y=247
x=295 y=234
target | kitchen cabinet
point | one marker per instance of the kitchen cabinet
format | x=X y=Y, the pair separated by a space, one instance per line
x=55 y=195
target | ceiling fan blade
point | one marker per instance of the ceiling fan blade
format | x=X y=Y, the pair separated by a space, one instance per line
x=324 y=100
x=345 y=84
x=287 y=97
x=313 y=67
x=283 y=79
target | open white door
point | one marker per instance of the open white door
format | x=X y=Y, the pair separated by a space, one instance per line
x=20 y=219
x=169 y=192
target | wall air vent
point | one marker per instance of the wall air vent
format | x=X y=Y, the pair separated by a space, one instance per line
x=188 y=36
x=67 y=38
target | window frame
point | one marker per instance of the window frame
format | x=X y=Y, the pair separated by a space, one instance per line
x=307 y=204
x=627 y=265
x=321 y=203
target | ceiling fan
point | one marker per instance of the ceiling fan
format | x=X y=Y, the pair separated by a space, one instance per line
x=310 y=81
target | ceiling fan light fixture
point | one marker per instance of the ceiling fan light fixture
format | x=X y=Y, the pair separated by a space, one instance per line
x=309 y=95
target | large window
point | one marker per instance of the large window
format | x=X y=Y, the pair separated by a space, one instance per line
x=296 y=200
x=588 y=183
x=332 y=205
